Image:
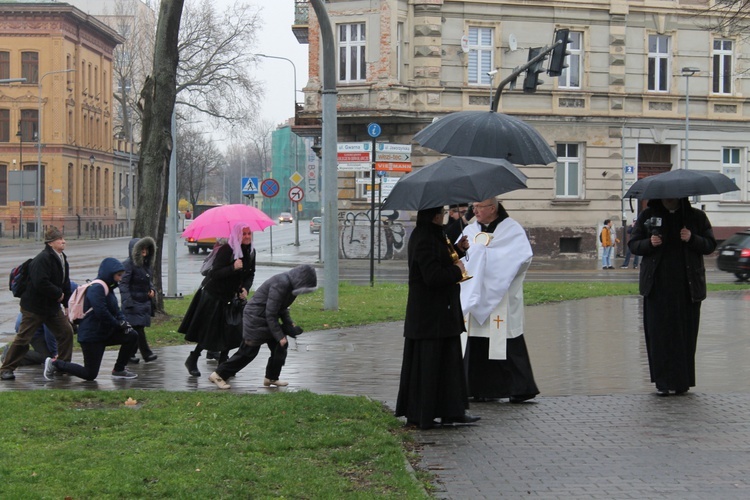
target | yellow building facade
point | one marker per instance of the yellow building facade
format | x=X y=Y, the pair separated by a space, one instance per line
x=58 y=121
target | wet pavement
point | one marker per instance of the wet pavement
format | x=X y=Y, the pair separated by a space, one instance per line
x=596 y=431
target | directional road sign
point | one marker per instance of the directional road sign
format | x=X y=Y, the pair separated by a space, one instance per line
x=249 y=185
x=296 y=194
x=269 y=187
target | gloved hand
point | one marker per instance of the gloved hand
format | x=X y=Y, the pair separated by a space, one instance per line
x=124 y=326
x=469 y=212
x=291 y=330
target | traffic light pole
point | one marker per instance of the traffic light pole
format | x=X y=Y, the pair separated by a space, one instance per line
x=518 y=70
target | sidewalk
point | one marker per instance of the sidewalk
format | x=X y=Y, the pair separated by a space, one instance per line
x=596 y=431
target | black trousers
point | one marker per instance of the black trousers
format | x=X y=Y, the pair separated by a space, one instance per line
x=246 y=354
x=93 y=352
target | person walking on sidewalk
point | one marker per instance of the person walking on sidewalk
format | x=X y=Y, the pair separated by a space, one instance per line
x=433 y=381
x=102 y=326
x=231 y=275
x=672 y=237
x=608 y=240
x=43 y=303
x=137 y=291
x=266 y=320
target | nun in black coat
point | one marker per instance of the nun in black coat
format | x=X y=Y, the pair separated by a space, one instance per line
x=433 y=382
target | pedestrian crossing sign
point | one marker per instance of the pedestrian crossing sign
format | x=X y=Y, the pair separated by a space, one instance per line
x=249 y=185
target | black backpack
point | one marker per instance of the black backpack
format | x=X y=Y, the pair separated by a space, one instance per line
x=19 y=279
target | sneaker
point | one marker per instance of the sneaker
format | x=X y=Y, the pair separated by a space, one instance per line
x=150 y=357
x=134 y=360
x=220 y=382
x=623 y=267
x=124 y=373
x=4 y=354
x=49 y=368
x=7 y=375
x=635 y=267
x=278 y=383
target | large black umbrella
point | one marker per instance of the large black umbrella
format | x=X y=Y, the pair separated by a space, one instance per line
x=488 y=134
x=452 y=180
x=680 y=184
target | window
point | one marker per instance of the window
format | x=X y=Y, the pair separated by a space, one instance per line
x=352 y=64
x=480 y=55
x=4 y=125
x=4 y=64
x=3 y=185
x=29 y=124
x=32 y=168
x=568 y=174
x=30 y=66
x=658 y=63
x=731 y=167
x=722 y=70
x=571 y=76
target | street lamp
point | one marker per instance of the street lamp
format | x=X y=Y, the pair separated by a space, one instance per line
x=19 y=134
x=296 y=153
x=687 y=72
x=38 y=203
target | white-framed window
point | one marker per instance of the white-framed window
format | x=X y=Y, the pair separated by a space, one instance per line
x=731 y=166
x=571 y=76
x=352 y=45
x=658 y=63
x=722 y=66
x=480 y=54
x=399 y=50
x=568 y=172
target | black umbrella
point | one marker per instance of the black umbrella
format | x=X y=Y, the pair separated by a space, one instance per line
x=680 y=184
x=452 y=180
x=488 y=134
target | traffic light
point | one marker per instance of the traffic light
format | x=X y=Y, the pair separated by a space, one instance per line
x=559 y=53
x=532 y=81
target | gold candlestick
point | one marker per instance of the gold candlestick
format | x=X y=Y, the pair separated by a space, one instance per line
x=455 y=257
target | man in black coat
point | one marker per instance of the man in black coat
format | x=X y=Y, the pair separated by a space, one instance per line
x=42 y=303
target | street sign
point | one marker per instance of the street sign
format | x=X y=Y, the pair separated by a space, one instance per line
x=398 y=157
x=353 y=152
x=383 y=166
x=386 y=147
x=354 y=157
x=354 y=167
x=374 y=130
x=269 y=187
x=296 y=194
x=249 y=185
x=368 y=181
x=296 y=178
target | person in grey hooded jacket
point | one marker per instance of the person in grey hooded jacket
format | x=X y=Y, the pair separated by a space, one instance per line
x=137 y=291
x=266 y=320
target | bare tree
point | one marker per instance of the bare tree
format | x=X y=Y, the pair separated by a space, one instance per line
x=198 y=160
x=259 y=146
x=215 y=60
x=728 y=17
x=157 y=105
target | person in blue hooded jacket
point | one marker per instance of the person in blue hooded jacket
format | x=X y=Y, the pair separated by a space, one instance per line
x=103 y=325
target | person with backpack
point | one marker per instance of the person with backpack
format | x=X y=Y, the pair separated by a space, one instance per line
x=103 y=324
x=137 y=291
x=230 y=276
x=42 y=303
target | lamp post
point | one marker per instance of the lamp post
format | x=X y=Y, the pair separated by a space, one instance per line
x=38 y=203
x=687 y=72
x=296 y=154
x=20 y=168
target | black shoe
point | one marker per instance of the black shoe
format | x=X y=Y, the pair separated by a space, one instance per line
x=150 y=357
x=522 y=398
x=662 y=392
x=134 y=360
x=680 y=392
x=7 y=375
x=191 y=363
x=213 y=355
x=463 y=419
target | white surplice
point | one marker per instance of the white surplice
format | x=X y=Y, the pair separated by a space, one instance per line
x=492 y=300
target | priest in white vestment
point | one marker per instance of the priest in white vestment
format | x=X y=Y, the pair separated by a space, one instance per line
x=497 y=255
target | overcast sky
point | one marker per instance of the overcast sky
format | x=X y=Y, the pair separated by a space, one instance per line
x=277 y=39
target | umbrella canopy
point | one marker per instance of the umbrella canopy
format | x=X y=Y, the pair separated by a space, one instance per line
x=218 y=222
x=488 y=134
x=456 y=179
x=680 y=184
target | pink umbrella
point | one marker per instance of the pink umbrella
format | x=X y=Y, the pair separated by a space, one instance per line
x=218 y=222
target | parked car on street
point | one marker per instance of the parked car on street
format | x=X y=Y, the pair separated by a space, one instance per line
x=315 y=224
x=734 y=255
x=285 y=217
x=205 y=244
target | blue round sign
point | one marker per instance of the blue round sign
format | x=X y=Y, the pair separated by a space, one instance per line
x=374 y=130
